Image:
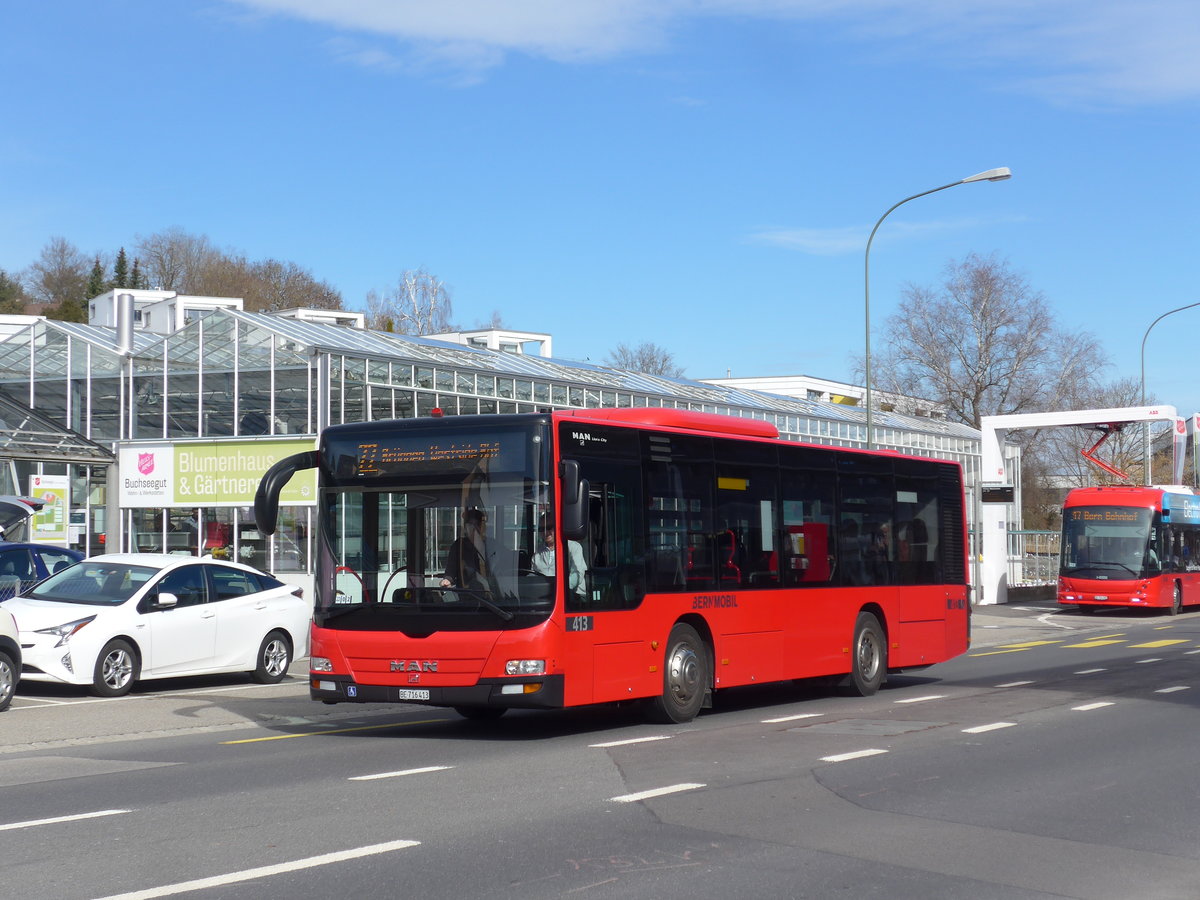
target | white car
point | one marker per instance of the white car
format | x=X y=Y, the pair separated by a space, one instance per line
x=112 y=620
x=10 y=659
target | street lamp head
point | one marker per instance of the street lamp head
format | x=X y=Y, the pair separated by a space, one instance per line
x=1001 y=174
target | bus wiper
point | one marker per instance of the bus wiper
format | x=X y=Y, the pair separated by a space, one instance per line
x=484 y=601
x=1120 y=565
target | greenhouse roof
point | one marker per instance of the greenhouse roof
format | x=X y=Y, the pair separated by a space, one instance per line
x=25 y=434
x=382 y=345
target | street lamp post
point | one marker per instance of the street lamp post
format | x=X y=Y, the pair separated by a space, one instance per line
x=1146 y=427
x=1000 y=174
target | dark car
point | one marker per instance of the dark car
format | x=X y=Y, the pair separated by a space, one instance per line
x=23 y=565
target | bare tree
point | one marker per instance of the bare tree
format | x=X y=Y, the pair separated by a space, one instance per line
x=646 y=357
x=283 y=285
x=419 y=304
x=177 y=261
x=173 y=259
x=984 y=344
x=59 y=279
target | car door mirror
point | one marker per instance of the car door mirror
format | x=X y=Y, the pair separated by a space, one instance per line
x=166 y=600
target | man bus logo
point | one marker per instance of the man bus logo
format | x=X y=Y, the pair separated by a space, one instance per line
x=414 y=665
x=584 y=437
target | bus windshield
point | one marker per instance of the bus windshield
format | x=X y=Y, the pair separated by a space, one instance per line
x=440 y=530
x=1109 y=543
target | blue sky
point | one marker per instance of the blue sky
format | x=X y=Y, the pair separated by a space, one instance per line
x=702 y=174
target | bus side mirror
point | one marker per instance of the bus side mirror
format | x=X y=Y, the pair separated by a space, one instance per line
x=266 y=498
x=575 y=492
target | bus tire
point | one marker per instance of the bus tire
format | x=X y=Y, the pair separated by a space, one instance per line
x=686 y=677
x=1176 y=601
x=868 y=656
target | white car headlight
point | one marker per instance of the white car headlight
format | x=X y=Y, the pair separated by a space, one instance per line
x=65 y=631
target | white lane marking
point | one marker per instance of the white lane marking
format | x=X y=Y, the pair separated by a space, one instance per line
x=1043 y=619
x=1172 y=689
x=980 y=729
x=857 y=754
x=641 y=740
x=13 y=826
x=1014 y=684
x=1150 y=660
x=791 y=718
x=656 y=792
x=922 y=699
x=420 y=771
x=1090 y=706
x=1190 y=652
x=1090 y=671
x=310 y=862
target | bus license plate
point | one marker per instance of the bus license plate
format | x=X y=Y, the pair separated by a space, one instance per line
x=412 y=694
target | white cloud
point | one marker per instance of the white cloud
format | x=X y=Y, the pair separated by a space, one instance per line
x=1094 y=51
x=853 y=239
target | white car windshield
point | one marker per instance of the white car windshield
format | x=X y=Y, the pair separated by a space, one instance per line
x=94 y=584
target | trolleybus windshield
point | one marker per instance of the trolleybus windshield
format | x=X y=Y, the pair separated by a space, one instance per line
x=1108 y=542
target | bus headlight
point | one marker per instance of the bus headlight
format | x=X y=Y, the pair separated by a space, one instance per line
x=525 y=667
x=319 y=664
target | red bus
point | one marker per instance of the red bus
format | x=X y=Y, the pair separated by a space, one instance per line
x=690 y=552
x=1130 y=546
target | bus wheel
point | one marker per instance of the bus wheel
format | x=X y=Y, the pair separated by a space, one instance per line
x=869 y=656
x=1176 y=601
x=686 y=677
x=480 y=713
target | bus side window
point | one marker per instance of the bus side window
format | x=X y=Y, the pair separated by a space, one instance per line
x=808 y=554
x=615 y=548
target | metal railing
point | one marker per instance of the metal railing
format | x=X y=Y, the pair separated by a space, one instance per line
x=1032 y=557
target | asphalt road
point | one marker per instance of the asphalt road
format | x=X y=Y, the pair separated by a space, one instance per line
x=1053 y=760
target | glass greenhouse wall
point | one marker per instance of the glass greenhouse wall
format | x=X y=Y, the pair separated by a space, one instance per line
x=232 y=385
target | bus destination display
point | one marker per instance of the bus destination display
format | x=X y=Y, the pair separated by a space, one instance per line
x=376 y=458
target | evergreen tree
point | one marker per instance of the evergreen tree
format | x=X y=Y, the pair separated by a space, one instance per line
x=96 y=283
x=121 y=270
x=137 y=278
x=12 y=295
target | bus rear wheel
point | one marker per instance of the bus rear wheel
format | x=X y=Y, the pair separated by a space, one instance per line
x=686 y=677
x=868 y=664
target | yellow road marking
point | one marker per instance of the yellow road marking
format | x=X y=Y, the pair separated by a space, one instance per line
x=1091 y=644
x=1160 y=643
x=997 y=652
x=1030 y=644
x=284 y=737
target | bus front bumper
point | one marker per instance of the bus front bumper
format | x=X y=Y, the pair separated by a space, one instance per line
x=543 y=692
